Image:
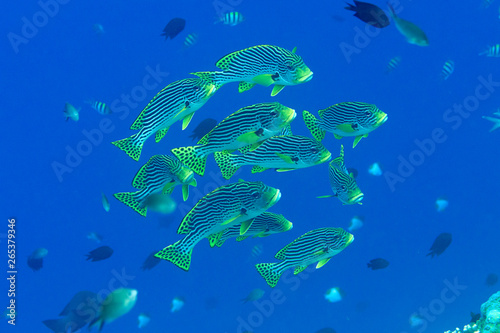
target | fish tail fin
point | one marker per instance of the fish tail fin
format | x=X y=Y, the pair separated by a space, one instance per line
x=191 y=158
x=270 y=272
x=391 y=9
x=131 y=146
x=496 y=122
x=350 y=7
x=312 y=125
x=176 y=255
x=128 y=198
x=57 y=325
x=226 y=163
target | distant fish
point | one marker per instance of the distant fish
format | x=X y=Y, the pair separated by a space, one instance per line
x=105 y=202
x=378 y=263
x=143 y=320
x=494 y=120
x=356 y=223
x=160 y=203
x=491 y=279
x=94 y=236
x=257 y=250
x=326 y=330
x=150 y=262
x=116 y=304
x=414 y=35
x=375 y=169
x=203 y=128
x=71 y=112
x=177 y=304
x=231 y=18
x=440 y=244
x=448 y=68
x=486 y=3
x=369 y=13
x=190 y=40
x=35 y=260
x=392 y=64
x=334 y=295
x=173 y=28
x=101 y=253
x=353 y=172
x=475 y=317
x=415 y=320
x=98 y=29
x=254 y=295
x=100 y=107
x=492 y=51
x=441 y=204
x=76 y=314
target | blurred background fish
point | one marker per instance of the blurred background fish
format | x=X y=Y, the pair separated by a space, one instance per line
x=116 y=304
x=101 y=253
x=35 y=260
x=94 y=236
x=100 y=107
x=150 y=262
x=448 y=68
x=375 y=169
x=177 y=304
x=369 y=14
x=161 y=203
x=441 y=204
x=98 y=29
x=230 y=18
x=105 y=202
x=203 y=128
x=333 y=295
x=491 y=280
x=254 y=295
x=356 y=223
x=414 y=35
x=392 y=64
x=71 y=112
x=494 y=120
x=378 y=263
x=143 y=319
x=492 y=51
x=173 y=28
x=190 y=40
x=440 y=244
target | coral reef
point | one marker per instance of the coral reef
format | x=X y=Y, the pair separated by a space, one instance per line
x=490 y=315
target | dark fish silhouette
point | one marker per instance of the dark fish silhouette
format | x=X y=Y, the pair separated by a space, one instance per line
x=35 y=260
x=369 y=13
x=203 y=128
x=150 y=262
x=174 y=27
x=101 y=253
x=326 y=330
x=440 y=244
x=378 y=263
x=491 y=279
x=77 y=313
x=474 y=317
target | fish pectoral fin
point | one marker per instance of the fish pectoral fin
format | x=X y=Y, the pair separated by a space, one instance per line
x=285 y=158
x=277 y=88
x=232 y=219
x=249 y=137
x=185 y=192
x=264 y=80
x=285 y=169
x=322 y=263
x=347 y=128
x=168 y=188
x=193 y=182
x=187 y=120
x=244 y=226
x=294 y=49
x=326 y=196
x=357 y=139
x=244 y=86
x=337 y=136
x=299 y=269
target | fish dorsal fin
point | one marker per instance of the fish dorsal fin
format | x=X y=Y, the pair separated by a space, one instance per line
x=294 y=49
x=187 y=120
x=277 y=88
x=299 y=269
x=322 y=263
x=160 y=134
x=244 y=226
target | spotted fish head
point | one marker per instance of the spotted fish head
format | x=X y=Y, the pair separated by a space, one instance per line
x=256 y=197
x=312 y=152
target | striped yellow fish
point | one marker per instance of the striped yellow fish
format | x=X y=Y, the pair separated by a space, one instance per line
x=345 y=119
x=177 y=101
x=160 y=174
x=316 y=246
x=247 y=127
x=283 y=153
x=222 y=208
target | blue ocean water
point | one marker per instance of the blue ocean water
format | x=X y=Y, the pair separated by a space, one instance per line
x=63 y=59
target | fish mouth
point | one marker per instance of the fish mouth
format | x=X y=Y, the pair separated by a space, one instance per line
x=304 y=75
x=356 y=199
x=382 y=119
x=272 y=197
x=325 y=157
x=350 y=239
x=289 y=115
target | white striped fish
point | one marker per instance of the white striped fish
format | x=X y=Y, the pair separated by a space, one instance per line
x=345 y=119
x=492 y=51
x=262 y=226
x=284 y=153
x=393 y=64
x=494 y=120
x=100 y=107
x=343 y=184
x=316 y=246
x=177 y=101
x=159 y=175
x=262 y=64
x=231 y=18
x=190 y=40
x=246 y=127
x=222 y=208
x=448 y=68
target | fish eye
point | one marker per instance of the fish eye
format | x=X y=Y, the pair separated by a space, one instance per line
x=368 y=113
x=314 y=150
x=274 y=113
x=289 y=67
x=343 y=188
x=195 y=88
x=256 y=195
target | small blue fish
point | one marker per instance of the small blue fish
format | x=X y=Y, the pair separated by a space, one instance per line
x=105 y=202
x=492 y=51
x=100 y=107
x=71 y=112
x=190 y=40
x=231 y=18
x=448 y=68
x=95 y=237
x=143 y=320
